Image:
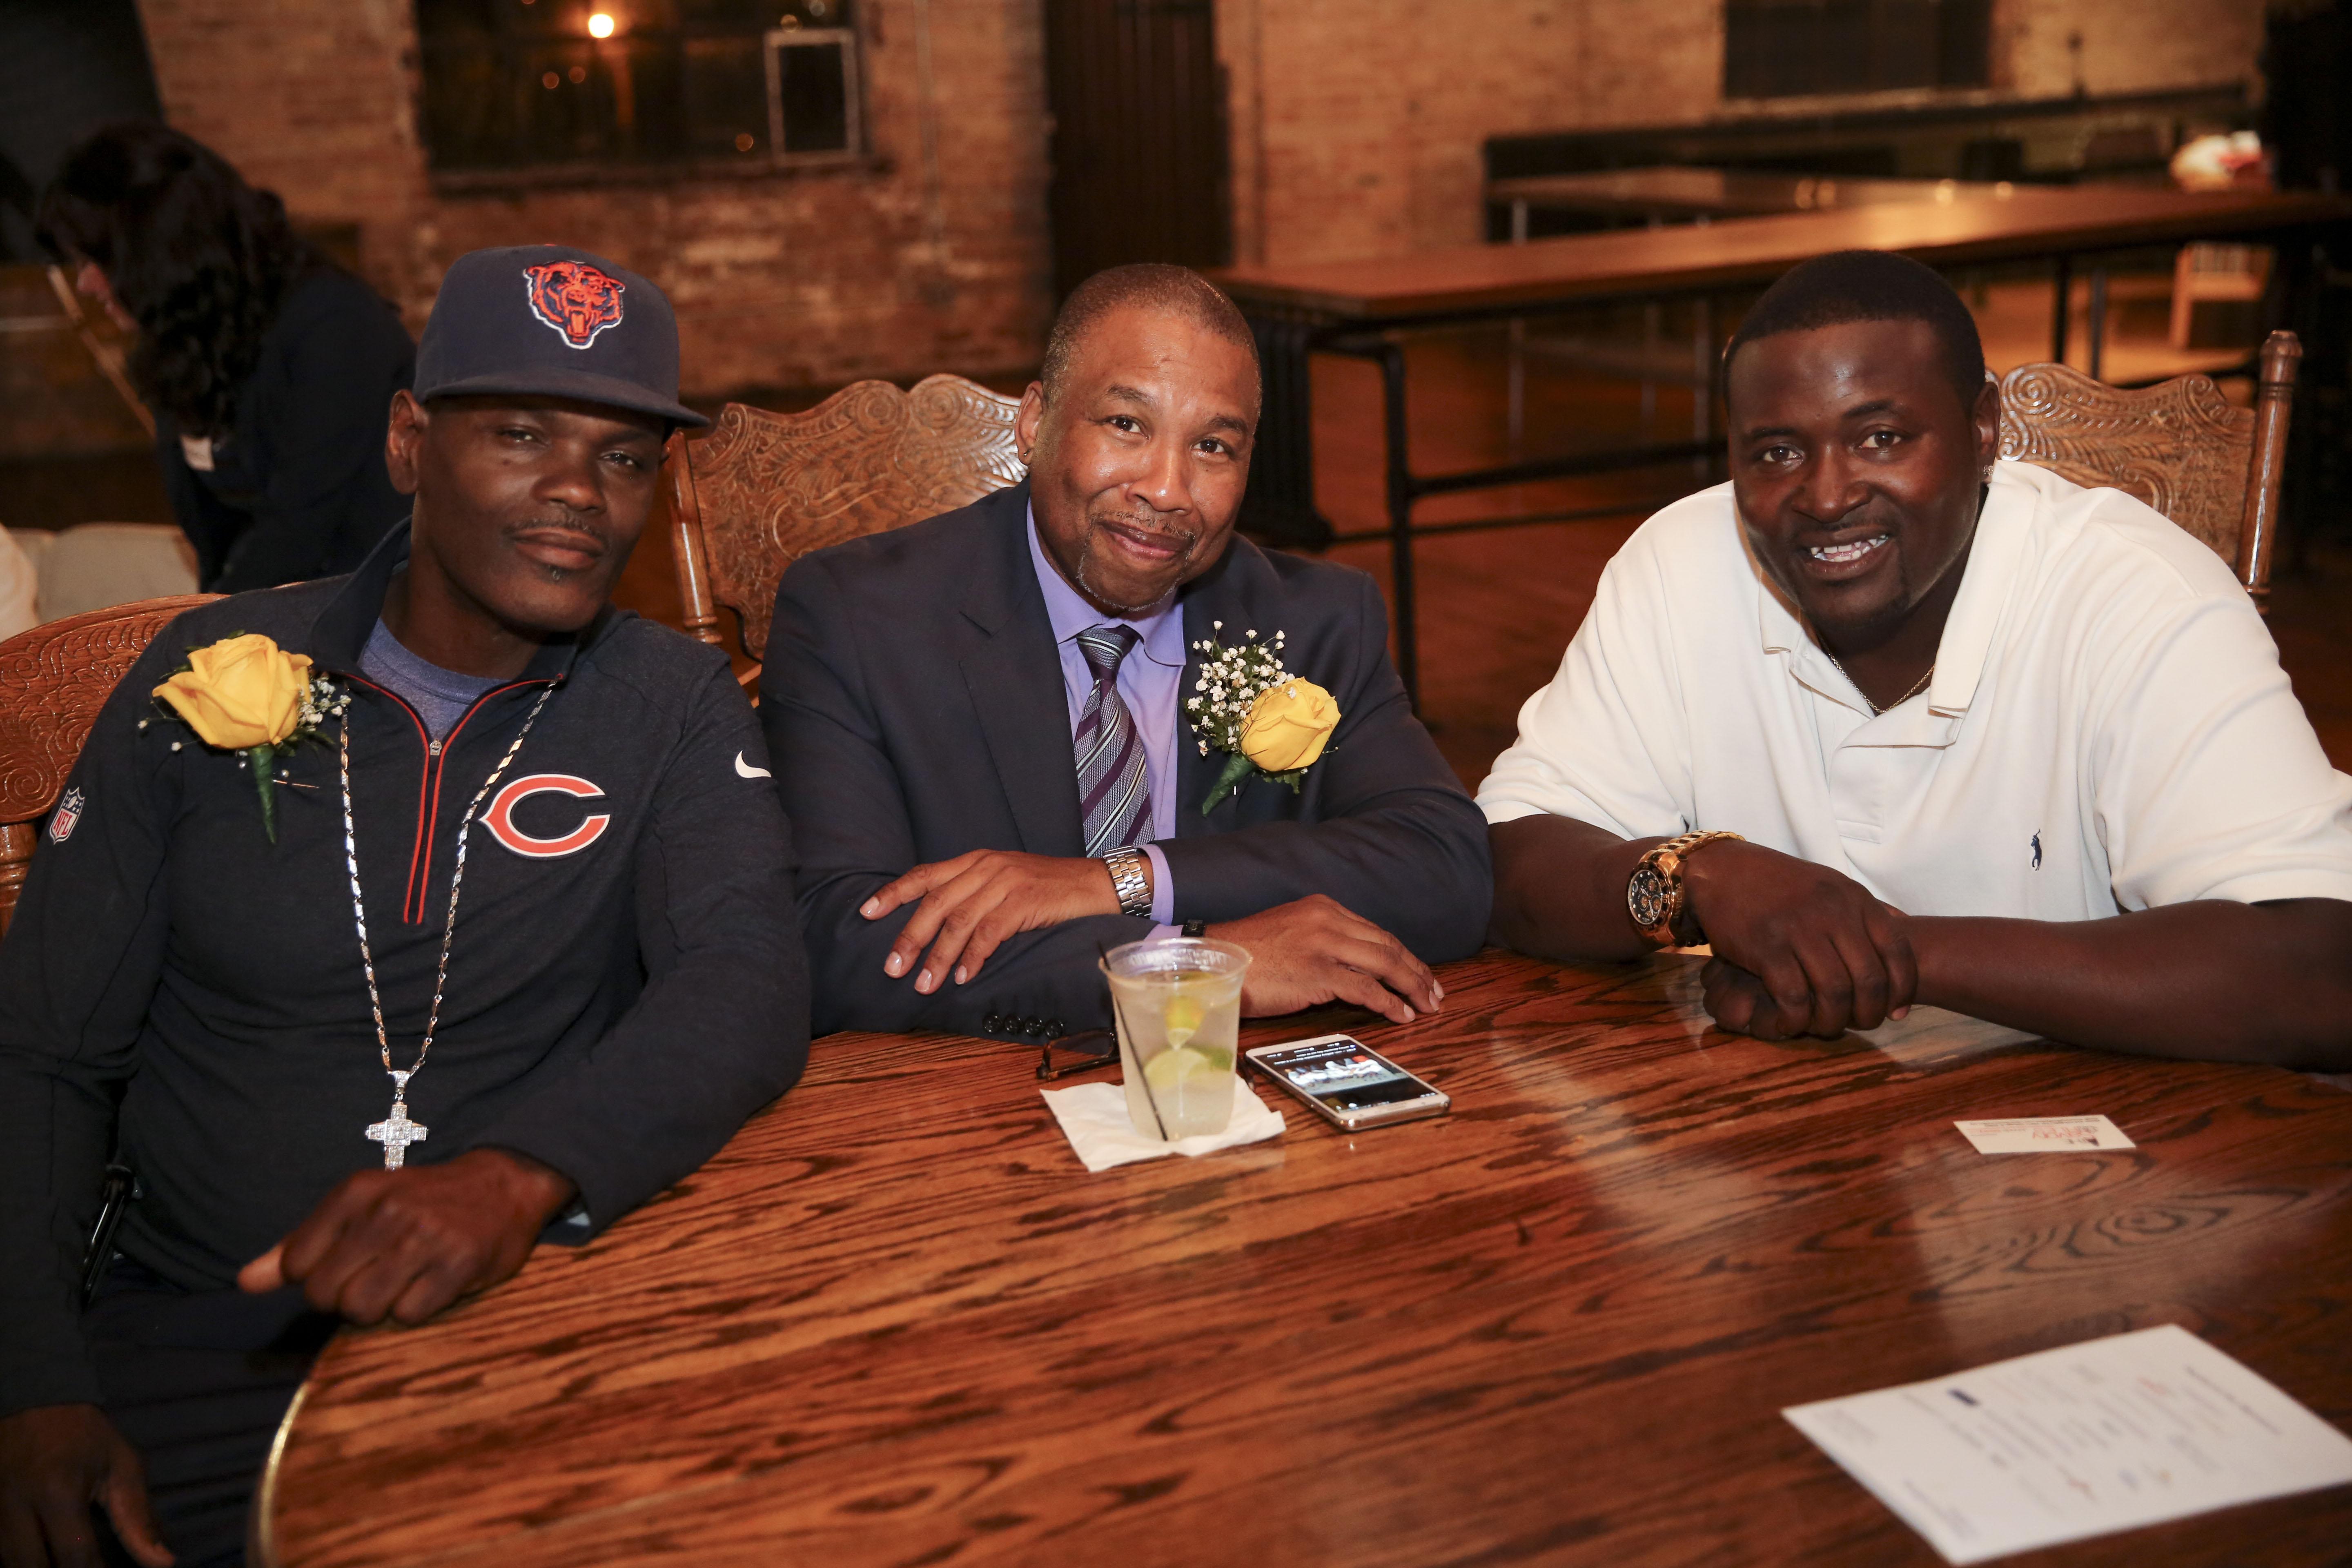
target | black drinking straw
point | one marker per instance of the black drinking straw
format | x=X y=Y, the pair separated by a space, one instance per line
x=1119 y=1014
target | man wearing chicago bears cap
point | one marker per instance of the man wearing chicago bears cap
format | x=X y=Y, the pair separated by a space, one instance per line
x=391 y=921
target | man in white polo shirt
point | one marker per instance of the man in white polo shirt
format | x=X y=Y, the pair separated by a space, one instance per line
x=1887 y=720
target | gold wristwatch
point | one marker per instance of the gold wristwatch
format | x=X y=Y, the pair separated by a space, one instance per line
x=1653 y=893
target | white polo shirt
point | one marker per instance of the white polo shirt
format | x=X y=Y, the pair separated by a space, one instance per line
x=2107 y=728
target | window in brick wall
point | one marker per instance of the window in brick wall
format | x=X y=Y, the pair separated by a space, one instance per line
x=1783 y=48
x=593 y=86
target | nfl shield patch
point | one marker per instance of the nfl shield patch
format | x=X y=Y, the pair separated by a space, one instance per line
x=62 y=820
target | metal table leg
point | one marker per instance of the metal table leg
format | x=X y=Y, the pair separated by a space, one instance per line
x=1519 y=331
x=1703 y=382
x=2097 y=321
x=1401 y=497
x=1279 y=504
x=2060 y=305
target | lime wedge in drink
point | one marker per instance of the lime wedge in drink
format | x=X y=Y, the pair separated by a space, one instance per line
x=1183 y=1018
x=1182 y=1070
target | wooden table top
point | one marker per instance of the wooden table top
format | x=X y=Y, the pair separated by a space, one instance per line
x=1690 y=191
x=1974 y=227
x=896 y=1322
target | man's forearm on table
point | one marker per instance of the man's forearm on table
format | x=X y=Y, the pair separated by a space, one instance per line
x=1560 y=889
x=2211 y=979
x=1410 y=870
x=708 y=1044
x=1047 y=974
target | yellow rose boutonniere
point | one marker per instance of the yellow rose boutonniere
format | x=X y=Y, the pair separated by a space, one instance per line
x=248 y=695
x=1274 y=723
x=1288 y=726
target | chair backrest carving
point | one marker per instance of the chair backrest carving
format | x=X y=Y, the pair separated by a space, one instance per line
x=2179 y=445
x=764 y=490
x=53 y=680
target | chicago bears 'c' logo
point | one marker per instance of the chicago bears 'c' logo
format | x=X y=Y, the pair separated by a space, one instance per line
x=500 y=818
x=573 y=297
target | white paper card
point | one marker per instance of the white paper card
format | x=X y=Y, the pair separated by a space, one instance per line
x=2104 y=1436
x=2044 y=1134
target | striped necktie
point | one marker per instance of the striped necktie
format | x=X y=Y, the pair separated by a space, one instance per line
x=1114 y=780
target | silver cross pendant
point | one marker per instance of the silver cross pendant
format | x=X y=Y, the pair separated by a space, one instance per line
x=396 y=1131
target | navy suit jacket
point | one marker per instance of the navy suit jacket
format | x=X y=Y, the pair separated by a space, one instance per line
x=915 y=710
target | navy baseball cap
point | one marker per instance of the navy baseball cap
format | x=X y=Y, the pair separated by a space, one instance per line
x=554 y=321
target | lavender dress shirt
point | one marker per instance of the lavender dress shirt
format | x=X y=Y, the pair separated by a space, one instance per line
x=1150 y=679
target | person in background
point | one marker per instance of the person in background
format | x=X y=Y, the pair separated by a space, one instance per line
x=270 y=370
x=19 y=589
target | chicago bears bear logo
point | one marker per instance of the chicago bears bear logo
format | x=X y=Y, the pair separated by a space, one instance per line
x=573 y=297
x=500 y=818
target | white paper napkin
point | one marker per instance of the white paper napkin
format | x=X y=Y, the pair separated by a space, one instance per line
x=1094 y=1117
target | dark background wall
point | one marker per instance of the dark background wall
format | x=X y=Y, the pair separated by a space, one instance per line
x=67 y=66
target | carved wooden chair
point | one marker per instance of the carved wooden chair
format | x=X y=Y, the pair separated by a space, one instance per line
x=764 y=490
x=2179 y=446
x=53 y=680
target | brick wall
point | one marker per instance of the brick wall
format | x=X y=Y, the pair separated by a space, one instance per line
x=1358 y=125
x=1355 y=124
x=2128 y=46
x=913 y=265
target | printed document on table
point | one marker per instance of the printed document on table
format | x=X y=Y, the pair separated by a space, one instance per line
x=2104 y=1436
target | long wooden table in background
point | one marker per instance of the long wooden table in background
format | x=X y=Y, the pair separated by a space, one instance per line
x=1669 y=194
x=1674 y=194
x=1358 y=308
x=896 y=1322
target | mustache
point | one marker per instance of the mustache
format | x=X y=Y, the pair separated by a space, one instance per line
x=1186 y=537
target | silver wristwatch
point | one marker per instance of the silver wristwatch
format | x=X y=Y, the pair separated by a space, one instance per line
x=1130 y=878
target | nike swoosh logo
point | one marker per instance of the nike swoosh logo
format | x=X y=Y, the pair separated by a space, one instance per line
x=745 y=770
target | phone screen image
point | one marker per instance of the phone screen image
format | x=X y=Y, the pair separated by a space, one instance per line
x=1343 y=1075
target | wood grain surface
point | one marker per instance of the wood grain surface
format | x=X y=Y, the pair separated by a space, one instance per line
x=1975 y=227
x=895 y=1322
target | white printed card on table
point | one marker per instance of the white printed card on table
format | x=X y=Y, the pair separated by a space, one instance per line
x=2044 y=1134
x=2108 y=1435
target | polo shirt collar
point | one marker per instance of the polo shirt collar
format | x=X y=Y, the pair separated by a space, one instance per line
x=1984 y=591
x=1986 y=586
x=1161 y=628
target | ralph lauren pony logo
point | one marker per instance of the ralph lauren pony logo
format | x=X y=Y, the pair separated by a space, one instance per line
x=575 y=299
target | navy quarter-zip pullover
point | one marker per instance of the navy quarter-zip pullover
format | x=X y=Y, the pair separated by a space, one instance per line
x=627 y=982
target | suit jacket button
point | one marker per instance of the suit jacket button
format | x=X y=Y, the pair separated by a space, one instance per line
x=993 y=1021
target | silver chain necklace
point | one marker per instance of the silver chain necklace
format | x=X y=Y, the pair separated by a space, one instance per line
x=1874 y=709
x=396 y=1131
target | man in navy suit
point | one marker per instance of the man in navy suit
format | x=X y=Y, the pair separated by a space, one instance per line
x=981 y=735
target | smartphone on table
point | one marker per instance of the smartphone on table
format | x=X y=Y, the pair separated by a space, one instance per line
x=1346 y=1082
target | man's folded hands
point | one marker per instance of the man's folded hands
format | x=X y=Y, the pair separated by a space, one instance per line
x=1800 y=949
